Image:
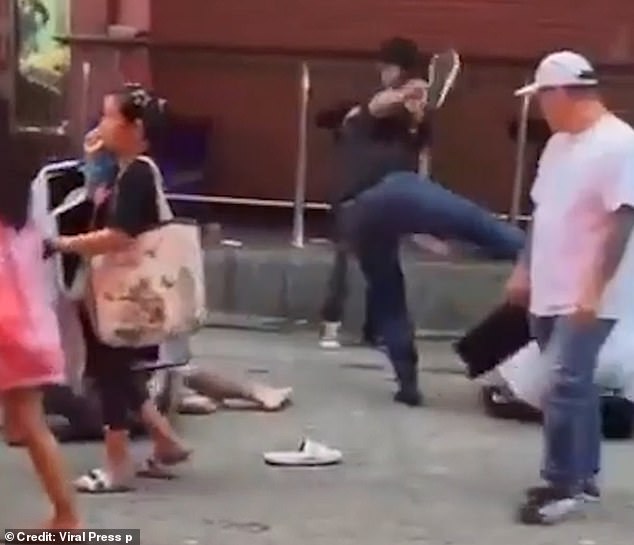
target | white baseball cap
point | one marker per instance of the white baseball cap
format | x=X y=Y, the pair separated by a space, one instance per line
x=561 y=69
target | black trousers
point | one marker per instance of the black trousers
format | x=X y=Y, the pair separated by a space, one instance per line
x=82 y=412
x=121 y=390
x=337 y=287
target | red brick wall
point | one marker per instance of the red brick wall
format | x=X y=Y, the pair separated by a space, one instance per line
x=254 y=106
x=515 y=28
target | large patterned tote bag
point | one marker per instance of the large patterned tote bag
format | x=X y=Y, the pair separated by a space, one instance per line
x=155 y=289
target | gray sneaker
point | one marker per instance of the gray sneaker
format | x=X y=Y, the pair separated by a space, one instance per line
x=329 y=338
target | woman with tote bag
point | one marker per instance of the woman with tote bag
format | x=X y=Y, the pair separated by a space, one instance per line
x=133 y=206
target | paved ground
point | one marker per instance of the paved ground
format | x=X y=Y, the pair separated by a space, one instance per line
x=443 y=475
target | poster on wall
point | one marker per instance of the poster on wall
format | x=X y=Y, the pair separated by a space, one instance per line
x=42 y=63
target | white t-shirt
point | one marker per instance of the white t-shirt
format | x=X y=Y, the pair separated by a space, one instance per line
x=581 y=179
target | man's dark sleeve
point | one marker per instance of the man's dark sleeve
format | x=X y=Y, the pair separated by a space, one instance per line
x=331 y=118
x=135 y=199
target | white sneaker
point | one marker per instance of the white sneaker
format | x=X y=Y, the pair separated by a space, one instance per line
x=310 y=453
x=330 y=336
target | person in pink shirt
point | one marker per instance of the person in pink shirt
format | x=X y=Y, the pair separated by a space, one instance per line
x=30 y=352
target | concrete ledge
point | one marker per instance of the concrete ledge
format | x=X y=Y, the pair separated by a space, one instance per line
x=268 y=287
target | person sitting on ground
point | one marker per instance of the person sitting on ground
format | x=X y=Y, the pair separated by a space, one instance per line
x=201 y=391
x=514 y=390
x=205 y=390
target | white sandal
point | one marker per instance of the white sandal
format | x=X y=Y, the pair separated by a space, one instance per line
x=309 y=454
x=99 y=481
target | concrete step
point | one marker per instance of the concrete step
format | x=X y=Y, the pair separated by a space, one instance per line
x=257 y=287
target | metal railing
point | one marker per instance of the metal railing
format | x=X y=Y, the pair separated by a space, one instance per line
x=520 y=159
x=299 y=204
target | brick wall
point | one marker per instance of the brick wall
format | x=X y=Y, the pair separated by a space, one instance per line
x=515 y=28
x=254 y=105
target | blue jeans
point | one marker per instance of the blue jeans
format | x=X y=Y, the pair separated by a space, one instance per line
x=572 y=412
x=402 y=204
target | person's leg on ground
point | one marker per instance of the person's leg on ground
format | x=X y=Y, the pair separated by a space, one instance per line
x=166 y=381
x=572 y=434
x=221 y=389
x=23 y=408
x=201 y=388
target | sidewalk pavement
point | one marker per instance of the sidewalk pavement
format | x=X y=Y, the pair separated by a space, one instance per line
x=440 y=475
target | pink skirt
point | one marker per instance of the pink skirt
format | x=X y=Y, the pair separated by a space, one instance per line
x=30 y=346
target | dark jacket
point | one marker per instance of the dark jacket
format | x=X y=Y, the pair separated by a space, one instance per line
x=369 y=148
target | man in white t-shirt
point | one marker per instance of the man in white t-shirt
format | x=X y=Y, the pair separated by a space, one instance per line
x=575 y=274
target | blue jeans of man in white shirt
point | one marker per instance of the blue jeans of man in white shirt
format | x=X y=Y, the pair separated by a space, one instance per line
x=572 y=418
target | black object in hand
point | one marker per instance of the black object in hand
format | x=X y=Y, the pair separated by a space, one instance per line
x=500 y=335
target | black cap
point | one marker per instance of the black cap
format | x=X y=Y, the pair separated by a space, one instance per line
x=401 y=52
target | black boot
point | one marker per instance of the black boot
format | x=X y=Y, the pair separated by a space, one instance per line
x=407 y=377
x=411 y=398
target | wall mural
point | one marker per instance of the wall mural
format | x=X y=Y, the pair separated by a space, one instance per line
x=42 y=63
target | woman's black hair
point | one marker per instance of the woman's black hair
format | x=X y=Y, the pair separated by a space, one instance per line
x=137 y=104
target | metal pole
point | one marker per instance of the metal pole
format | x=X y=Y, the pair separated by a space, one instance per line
x=302 y=153
x=520 y=160
x=86 y=75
